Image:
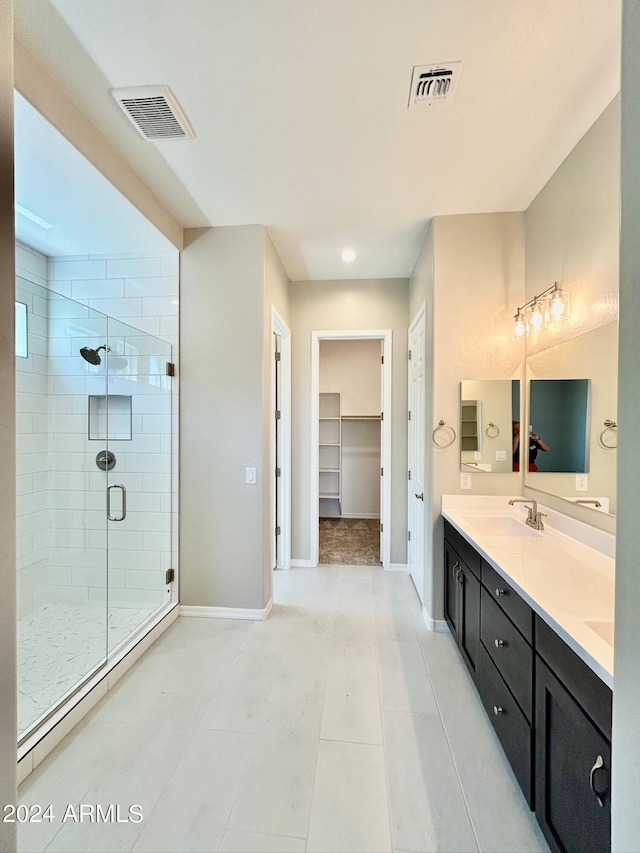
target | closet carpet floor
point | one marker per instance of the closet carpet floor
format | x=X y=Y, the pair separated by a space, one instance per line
x=350 y=541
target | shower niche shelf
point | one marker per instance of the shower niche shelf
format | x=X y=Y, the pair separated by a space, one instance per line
x=114 y=410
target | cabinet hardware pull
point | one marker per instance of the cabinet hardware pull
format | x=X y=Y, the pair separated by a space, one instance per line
x=499 y=643
x=499 y=592
x=497 y=710
x=599 y=762
x=460 y=576
x=420 y=496
x=454 y=569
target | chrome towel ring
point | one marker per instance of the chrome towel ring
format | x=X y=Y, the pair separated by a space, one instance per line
x=604 y=439
x=443 y=435
x=492 y=430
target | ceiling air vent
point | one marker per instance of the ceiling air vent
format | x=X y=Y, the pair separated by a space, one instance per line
x=154 y=112
x=434 y=84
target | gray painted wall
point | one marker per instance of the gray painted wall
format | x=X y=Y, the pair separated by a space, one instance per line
x=221 y=417
x=626 y=699
x=336 y=305
x=8 y=726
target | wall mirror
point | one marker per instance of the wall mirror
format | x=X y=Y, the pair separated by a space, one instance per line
x=488 y=408
x=572 y=407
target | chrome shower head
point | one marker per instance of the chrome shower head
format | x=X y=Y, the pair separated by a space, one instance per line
x=91 y=355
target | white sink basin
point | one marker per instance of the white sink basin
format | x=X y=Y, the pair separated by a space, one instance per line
x=500 y=525
x=602 y=627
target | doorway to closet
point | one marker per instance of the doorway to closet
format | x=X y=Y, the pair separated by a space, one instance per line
x=351 y=501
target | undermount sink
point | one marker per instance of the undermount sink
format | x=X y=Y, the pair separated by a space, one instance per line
x=500 y=525
x=602 y=627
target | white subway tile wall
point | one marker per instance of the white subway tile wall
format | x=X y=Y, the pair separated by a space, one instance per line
x=142 y=292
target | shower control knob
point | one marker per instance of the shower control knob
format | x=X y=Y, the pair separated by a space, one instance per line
x=106 y=460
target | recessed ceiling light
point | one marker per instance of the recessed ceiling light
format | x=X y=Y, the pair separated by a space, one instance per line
x=32 y=216
x=348 y=255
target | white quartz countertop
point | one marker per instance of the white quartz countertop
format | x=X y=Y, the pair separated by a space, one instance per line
x=564 y=572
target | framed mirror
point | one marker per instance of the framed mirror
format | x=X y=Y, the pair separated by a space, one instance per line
x=572 y=407
x=488 y=408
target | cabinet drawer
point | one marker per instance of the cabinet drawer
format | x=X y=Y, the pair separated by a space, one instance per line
x=508 y=649
x=464 y=549
x=509 y=600
x=513 y=730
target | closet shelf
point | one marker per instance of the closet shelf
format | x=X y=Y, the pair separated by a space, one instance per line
x=329 y=470
x=332 y=495
x=361 y=417
x=329 y=444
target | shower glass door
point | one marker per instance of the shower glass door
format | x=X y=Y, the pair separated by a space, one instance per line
x=61 y=524
x=139 y=483
x=94 y=460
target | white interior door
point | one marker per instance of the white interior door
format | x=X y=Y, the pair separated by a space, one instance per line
x=416 y=452
x=277 y=560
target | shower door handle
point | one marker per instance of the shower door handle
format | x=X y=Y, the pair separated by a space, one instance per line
x=124 y=502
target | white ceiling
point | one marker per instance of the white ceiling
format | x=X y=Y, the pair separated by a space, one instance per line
x=300 y=109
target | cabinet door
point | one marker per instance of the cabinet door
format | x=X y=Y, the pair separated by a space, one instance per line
x=573 y=771
x=451 y=588
x=469 y=625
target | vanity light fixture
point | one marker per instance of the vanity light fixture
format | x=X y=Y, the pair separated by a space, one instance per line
x=550 y=306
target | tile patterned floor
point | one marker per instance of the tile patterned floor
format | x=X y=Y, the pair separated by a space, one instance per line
x=58 y=645
x=339 y=724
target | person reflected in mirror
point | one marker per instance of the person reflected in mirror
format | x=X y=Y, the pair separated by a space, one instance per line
x=535 y=444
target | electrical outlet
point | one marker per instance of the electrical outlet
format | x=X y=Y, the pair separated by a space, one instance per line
x=465 y=481
x=477 y=455
x=582 y=482
x=501 y=455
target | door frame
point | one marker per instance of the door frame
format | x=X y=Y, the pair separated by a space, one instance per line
x=280 y=328
x=420 y=315
x=384 y=335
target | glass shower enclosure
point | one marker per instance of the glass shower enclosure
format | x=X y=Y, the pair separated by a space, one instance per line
x=94 y=464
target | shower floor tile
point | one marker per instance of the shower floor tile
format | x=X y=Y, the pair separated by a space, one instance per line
x=58 y=645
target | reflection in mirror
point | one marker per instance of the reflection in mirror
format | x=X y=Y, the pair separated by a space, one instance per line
x=559 y=425
x=487 y=410
x=594 y=356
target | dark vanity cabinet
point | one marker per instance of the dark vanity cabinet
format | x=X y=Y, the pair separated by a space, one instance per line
x=550 y=711
x=462 y=597
x=573 y=749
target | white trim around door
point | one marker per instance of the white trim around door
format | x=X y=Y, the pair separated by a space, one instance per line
x=281 y=559
x=384 y=335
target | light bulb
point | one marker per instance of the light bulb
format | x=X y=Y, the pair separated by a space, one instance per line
x=559 y=303
x=536 y=316
x=520 y=327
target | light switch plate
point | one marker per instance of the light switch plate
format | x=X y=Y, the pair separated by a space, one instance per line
x=582 y=482
x=465 y=481
x=250 y=477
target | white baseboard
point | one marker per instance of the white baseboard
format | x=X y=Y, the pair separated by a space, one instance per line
x=303 y=564
x=359 y=515
x=437 y=625
x=226 y=612
x=397 y=567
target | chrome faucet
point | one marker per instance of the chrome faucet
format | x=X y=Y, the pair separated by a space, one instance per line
x=534 y=518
